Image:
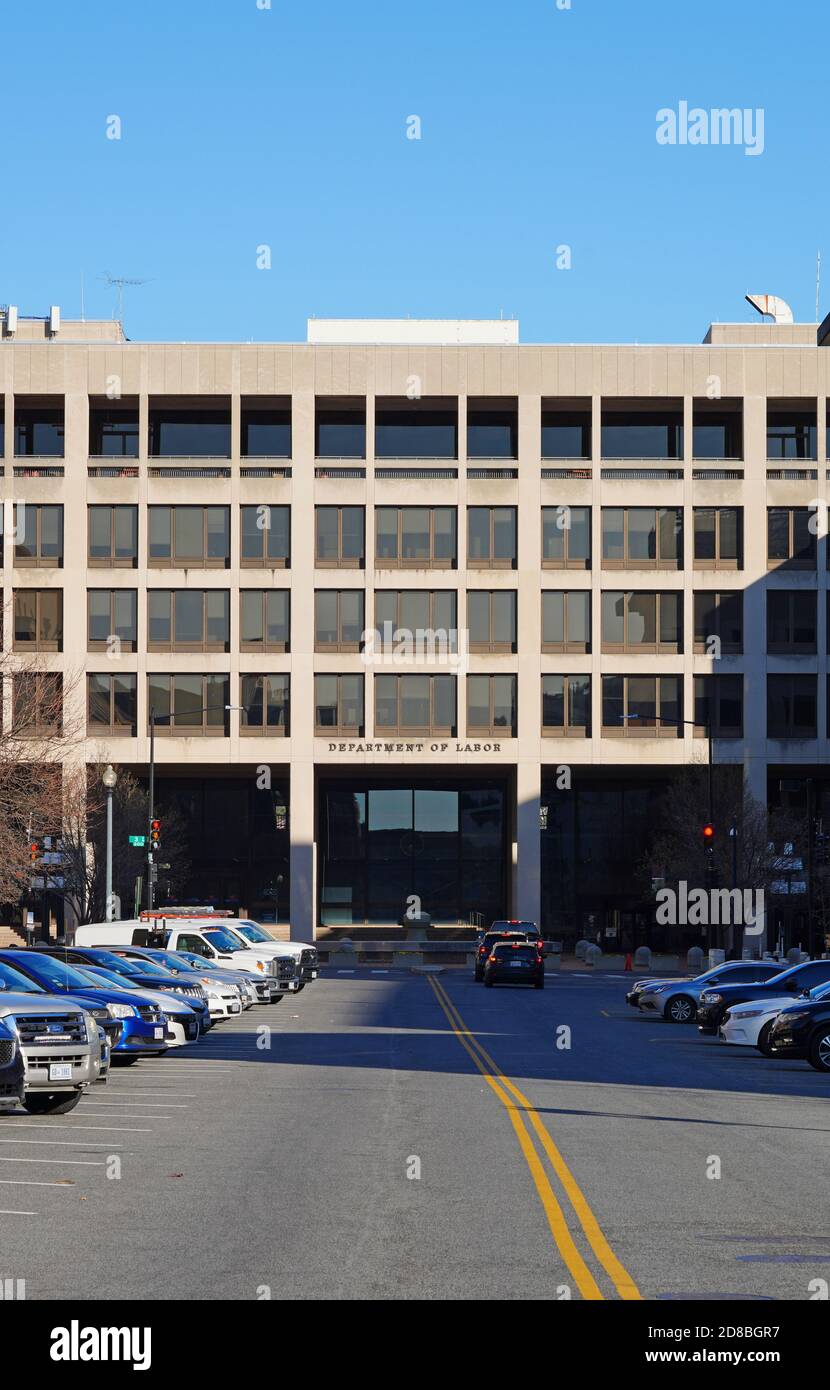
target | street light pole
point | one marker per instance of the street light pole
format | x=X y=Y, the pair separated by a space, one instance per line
x=109 y=779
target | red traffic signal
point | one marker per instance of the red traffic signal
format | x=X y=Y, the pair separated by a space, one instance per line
x=34 y=851
x=155 y=834
x=708 y=837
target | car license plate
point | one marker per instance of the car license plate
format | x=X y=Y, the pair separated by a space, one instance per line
x=314 y=974
x=517 y=964
x=158 y=1032
x=60 y=1071
x=236 y=1008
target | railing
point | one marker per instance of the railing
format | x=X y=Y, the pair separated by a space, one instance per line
x=486 y=473
x=39 y=470
x=646 y=475
x=187 y=472
x=423 y=473
x=106 y=470
x=717 y=475
x=568 y=472
x=264 y=472
x=791 y=475
x=322 y=472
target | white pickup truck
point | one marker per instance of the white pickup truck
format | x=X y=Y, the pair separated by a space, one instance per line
x=255 y=937
x=208 y=938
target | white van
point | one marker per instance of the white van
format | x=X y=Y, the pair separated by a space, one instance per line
x=208 y=939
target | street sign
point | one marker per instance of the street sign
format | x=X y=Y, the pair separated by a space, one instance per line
x=138 y=840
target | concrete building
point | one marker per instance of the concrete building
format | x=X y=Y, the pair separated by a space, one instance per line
x=215 y=531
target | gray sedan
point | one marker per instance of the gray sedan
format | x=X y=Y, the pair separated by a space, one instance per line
x=677 y=1000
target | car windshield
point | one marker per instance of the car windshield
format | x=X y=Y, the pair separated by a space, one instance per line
x=254 y=933
x=167 y=960
x=223 y=940
x=131 y=967
x=202 y=963
x=13 y=979
x=57 y=974
x=820 y=991
x=108 y=961
x=100 y=976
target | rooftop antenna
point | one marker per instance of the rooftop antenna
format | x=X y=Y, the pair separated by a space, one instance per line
x=120 y=281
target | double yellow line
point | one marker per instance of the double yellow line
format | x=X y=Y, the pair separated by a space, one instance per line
x=517 y=1106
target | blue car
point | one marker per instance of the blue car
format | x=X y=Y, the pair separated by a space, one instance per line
x=11 y=1068
x=133 y=1025
x=142 y=974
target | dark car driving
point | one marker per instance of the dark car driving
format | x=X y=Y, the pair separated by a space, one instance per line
x=803 y=1030
x=796 y=980
x=515 y=963
x=486 y=944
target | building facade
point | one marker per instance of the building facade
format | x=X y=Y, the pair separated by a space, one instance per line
x=422 y=612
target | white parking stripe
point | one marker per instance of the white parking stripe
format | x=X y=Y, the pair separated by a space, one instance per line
x=22 y=1182
x=4 y=1212
x=66 y=1162
x=139 y=1104
x=63 y=1143
x=34 y=1124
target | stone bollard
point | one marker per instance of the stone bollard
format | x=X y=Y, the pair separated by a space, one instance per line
x=642 y=958
x=344 y=955
x=694 y=960
x=716 y=957
x=580 y=949
x=593 y=955
x=794 y=956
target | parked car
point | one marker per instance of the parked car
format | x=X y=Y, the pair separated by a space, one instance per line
x=485 y=946
x=141 y=974
x=678 y=1000
x=803 y=1030
x=214 y=942
x=515 y=963
x=180 y=1022
x=59 y=1042
x=104 y=1060
x=304 y=954
x=12 y=1070
x=263 y=989
x=133 y=1025
x=795 y=981
x=224 y=997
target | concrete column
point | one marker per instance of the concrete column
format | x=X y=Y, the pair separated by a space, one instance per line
x=527 y=886
x=302 y=867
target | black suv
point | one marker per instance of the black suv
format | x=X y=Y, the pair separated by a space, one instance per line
x=515 y=963
x=486 y=944
x=797 y=980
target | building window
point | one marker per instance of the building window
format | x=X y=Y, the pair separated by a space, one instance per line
x=338 y=620
x=426 y=619
x=566 y=429
x=641 y=705
x=194 y=432
x=113 y=536
x=642 y=538
x=719 y=540
x=491 y=705
x=566 y=706
x=643 y=431
x=113 y=431
x=38 y=430
x=415 y=705
x=791 y=430
x=566 y=620
x=265 y=701
x=491 y=620
x=792 y=625
x=491 y=538
x=264 y=620
x=642 y=622
x=422 y=429
x=182 y=537
x=791 y=707
x=112 y=621
x=265 y=537
x=188 y=620
x=339 y=537
x=566 y=537
x=492 y=428
x=38 y=535
x=38 y=620
x=415 y=537
x=340 y=427
x=338 y=705
x=717 y=431
x=37 y=704
x=187 y=705
x=722 y=699
x=791 y=540
x=266 y=428
x=111 y=704
x=719 y=623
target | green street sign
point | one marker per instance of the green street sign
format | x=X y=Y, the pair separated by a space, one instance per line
x=138 y=840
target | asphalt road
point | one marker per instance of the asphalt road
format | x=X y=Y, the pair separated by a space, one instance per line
x=414 y=1137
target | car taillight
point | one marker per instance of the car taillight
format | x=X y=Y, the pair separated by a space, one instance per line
x=493 y=957
x=482 y=950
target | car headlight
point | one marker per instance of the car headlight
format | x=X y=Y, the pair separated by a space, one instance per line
x=260 y=965
x=650 y=989
x=122 y=1011
x=711 y=999
x=91 y=1028
x=795 y=1017
x=746 y=1013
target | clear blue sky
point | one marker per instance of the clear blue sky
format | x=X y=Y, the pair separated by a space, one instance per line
x=287 y=126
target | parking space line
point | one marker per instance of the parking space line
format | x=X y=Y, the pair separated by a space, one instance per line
x=5 y=1212
x=64 y=1143
x=23 y=1182
x=139 y=1104
x=114 y=1129
x=65 y=1162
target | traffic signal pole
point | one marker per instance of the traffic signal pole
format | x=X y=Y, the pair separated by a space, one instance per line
x=151 y=816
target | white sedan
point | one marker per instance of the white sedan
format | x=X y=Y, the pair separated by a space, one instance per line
x=749 y=1025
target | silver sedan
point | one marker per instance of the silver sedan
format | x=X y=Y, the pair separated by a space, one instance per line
x=678 y=1000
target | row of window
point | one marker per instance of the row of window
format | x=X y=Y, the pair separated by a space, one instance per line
x=644 y=621
x=422 y=428
x=426 y=704
x=416 y=537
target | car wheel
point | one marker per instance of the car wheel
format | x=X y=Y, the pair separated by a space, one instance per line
x=51 y=1102
x=818 y=1050
x=763 y=1039
x=679 y=1009
x=300 y=986
x=118 y=1060
x=539 y=984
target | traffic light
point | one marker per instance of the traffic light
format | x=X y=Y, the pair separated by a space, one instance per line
x=155 y=836
x=34 y=852
x=709 y=838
